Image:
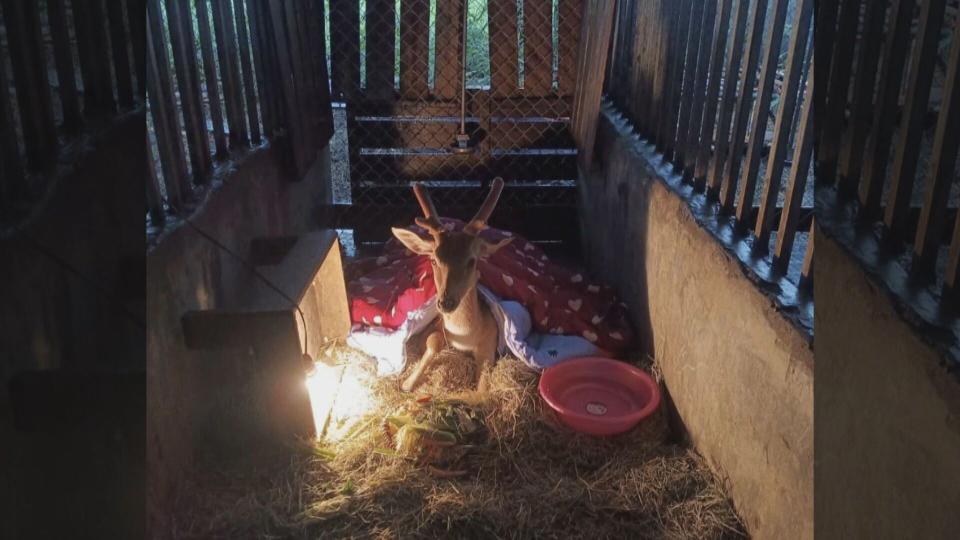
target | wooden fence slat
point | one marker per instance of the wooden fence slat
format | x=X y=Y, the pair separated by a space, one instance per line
x=301 y=80
x=414 y=48
x=830 y=126
x=861 y=108
x=761 y=111
x=891 y=75
x=448 y=65
x=504 y=73
x=181 y=43
x=381 y=48
x=687 y=95
x=292 y=118
x=645 y=73
x=66 y=74
x=345 y=36
x=229 y=71
x=940 y=174
x=748 y=77
x=136 y=17
x=537 y=48
x=154 y=199
x=121 y=59
x=11 y=165
x=320 y=93
x=250 y=94
x=792 y=88
x=261 y=58
x=674 y=101
x=210 y=78
x=727 y=98
x=691 y=128
x=796 y=186
x=806 y=270
x=922 y=64
x=163 y=109
x=592 y=60
x=28 y=60
x=89 y=70
x=712 y=96
x=569 y=28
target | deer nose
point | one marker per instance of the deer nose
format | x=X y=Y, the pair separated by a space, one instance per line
x=447 y=304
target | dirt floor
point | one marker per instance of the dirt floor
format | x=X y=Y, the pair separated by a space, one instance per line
x=522 y=475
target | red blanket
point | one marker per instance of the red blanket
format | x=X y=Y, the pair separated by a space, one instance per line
x=384 y=289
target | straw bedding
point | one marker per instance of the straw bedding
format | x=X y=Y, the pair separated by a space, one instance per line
x=531 y=477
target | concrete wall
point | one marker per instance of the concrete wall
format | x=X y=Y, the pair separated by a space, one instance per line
x=739 y=373
x=187 y=272
x=888 y=414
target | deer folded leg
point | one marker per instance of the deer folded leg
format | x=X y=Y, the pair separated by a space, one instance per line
x=486 y=356
x=435 y=344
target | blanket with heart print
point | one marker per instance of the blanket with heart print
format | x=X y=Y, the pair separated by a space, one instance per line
x=546 y=312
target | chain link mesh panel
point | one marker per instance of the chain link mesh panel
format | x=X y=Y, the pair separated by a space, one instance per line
x=398 y=66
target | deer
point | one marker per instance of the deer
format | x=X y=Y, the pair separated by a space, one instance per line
x=468 y=324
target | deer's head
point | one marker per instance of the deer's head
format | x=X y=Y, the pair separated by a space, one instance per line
x=454 y=255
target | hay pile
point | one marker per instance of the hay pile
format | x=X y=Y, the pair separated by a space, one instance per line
x=531 y=478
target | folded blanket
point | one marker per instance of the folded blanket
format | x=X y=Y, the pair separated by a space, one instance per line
x=546 y=312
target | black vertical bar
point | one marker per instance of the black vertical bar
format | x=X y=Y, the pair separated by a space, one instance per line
x=711 y=99
x=211 y=77
x=66 y=74
x=121 y=59
x=248 y=72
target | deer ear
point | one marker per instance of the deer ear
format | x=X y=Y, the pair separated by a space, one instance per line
x=413 y=242
x=489 y=248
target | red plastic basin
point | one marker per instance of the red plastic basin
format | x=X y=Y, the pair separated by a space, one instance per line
x=599 y=396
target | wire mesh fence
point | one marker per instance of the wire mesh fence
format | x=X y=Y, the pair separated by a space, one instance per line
x=454 y=93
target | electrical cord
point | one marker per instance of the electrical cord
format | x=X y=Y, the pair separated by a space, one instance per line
x=253 y=269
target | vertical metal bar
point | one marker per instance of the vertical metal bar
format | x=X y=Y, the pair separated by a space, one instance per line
x=345 y=47
x=11 y=165
x=798 y=179
x=248 y=72
x=875 y=156
x=709 y=117
x=728 y=97
x=181 y=43
x=155 y=205
x=121 y=59
x=28 y=60
x=260 y=60
x=940 y=175
x=731 y=171
x=792 y=89
x=761 y=111
x=66 y=74
x=922 y=65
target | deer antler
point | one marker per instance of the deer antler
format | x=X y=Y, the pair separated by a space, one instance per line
x=430 y=220
x=479 y=221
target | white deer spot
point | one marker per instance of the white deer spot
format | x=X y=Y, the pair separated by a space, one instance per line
x=534 y=272
x=382 y=260
x=528 y=247
x=532 y=289
x=593 y=288
x=557 y=330
x=617 y=336
x=576 y=278
x=508 y=280
x=575 y=304
x=371 y=300
x=367 y=288
x=544 y=321
x=590 y=336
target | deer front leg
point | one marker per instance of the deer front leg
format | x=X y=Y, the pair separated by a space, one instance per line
x=434 y=346
x=485 y=356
